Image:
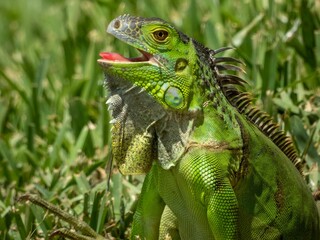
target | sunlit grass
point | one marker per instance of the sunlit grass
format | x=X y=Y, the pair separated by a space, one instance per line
x=54 y=130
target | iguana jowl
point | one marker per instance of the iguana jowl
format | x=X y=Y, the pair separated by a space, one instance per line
x=218 y=168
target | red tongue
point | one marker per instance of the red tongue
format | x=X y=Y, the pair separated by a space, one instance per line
x=113 y=57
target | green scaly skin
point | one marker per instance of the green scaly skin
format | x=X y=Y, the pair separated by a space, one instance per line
x=211 y=172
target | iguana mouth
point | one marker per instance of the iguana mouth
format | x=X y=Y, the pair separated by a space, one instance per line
x=116 y=57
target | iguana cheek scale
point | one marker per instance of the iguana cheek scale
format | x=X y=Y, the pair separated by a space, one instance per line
x=217 y=167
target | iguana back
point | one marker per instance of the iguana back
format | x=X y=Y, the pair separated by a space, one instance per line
x=218 y=168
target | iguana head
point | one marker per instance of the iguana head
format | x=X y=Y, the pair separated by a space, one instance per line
x=144 y=89
x=165 y=69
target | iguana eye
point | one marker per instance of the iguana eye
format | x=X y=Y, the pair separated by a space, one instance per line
x=160 y=35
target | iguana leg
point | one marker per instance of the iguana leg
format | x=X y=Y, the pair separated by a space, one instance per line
x=169 y=225
x=222 y=217
x=207 y=174
x=146 y=220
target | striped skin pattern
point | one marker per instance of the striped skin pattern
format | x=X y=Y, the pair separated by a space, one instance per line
x=217 y=167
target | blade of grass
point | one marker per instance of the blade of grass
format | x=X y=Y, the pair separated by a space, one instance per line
x=78 y=145
x=20 y=226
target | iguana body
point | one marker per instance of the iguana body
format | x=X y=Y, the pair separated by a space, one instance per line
x=218 y=168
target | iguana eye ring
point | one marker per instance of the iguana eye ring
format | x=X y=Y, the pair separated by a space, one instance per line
x=160 y=35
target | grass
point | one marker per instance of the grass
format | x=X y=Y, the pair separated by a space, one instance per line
x=54 y=132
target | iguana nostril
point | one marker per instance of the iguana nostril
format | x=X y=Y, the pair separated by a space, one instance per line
x=116 y=24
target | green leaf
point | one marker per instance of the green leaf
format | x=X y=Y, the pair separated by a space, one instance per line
x=303 y=141
x=20 y=226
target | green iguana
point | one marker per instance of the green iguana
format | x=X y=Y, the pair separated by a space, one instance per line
x=217 y=167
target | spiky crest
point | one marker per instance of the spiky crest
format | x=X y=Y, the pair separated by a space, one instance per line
x=232 y=87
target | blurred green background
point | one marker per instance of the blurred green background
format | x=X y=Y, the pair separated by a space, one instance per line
x=54 y=131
